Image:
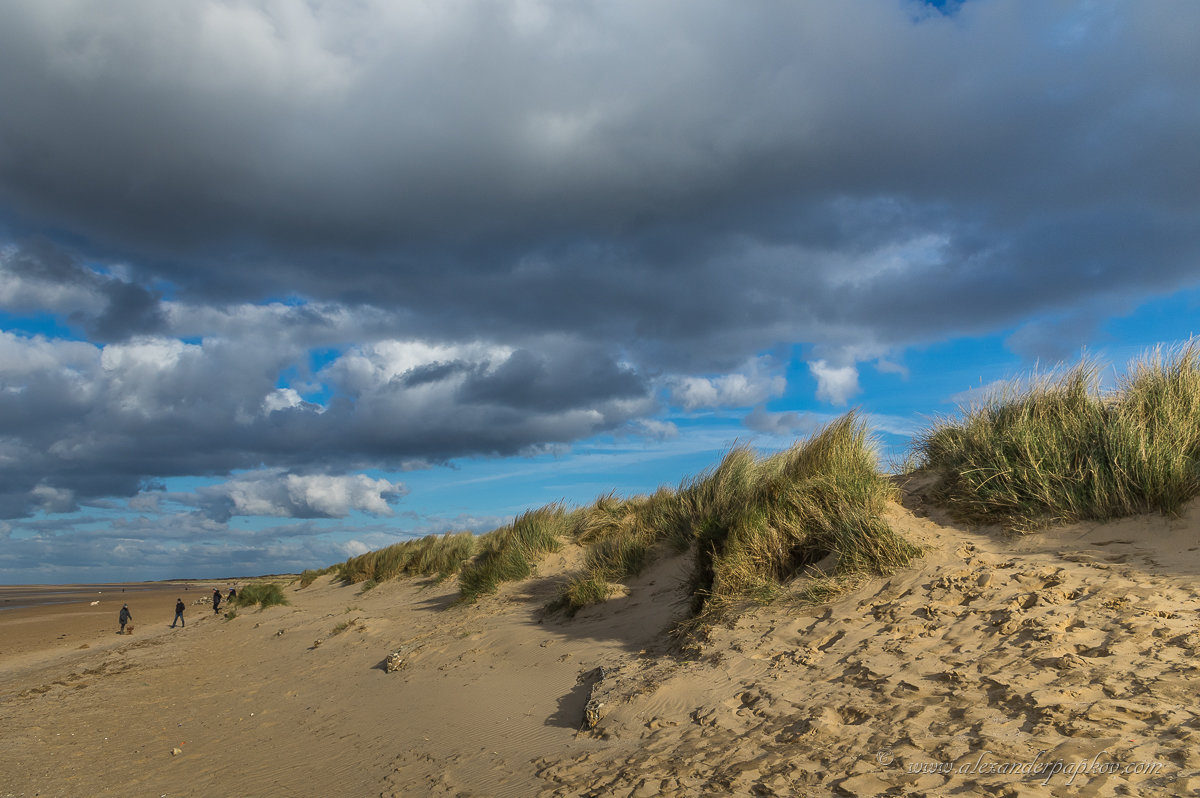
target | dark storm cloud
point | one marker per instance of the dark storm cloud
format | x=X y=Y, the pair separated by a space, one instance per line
x=433 y=372
x=43 y=277
x=560 y=378
x=610 y=169
x=129 y=310
x=519 y=224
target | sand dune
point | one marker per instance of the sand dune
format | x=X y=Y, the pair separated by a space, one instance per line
x=996 y=659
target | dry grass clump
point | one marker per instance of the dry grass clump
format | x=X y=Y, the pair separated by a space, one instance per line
x=434 y=555
x=310 y=575
x=760 y=522
x=755 y=522
x=265 y=594
x=622 y=536
x=1057 y=450
x=510 y=553
x=343 y=626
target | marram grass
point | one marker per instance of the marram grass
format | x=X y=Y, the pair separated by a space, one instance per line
x=510 y=553
x=265 y=594
x=311 y=575
x=759 y=522
x=1058 y=450
x=434 y=555
x=753 y=523
x=623 y=537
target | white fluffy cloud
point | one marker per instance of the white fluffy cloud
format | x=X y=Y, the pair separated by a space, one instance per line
x=657 y=430
x=752 y=385
x=835 y=384
x=761 y=420
x=273 y=493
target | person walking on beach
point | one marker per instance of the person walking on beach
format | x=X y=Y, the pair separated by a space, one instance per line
x=179 y=608
x=216 y=600
x=126 y=617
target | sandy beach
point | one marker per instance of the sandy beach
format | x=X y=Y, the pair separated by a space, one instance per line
x=39 y=618
x=1056 y=664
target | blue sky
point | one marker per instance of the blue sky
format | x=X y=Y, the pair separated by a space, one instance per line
x=284 y=281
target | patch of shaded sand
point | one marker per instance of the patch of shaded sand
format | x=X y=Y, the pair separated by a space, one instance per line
x=1077 y=644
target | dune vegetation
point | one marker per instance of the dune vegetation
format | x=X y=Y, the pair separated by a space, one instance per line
x=760 y=522
x=510 y=553
x=438 y=556
x=622 y=537
x=265 y=594
x=1057 y=449
x=1049 y=449
x=753 y=524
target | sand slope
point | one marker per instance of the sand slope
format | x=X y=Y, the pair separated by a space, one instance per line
x=1078 y=645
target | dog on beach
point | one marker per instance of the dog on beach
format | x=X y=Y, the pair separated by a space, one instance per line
x=129 y=629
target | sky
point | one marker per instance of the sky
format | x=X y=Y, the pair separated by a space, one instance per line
x=282 y=282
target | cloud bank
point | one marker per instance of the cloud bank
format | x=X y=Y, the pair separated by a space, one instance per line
x=306 y=241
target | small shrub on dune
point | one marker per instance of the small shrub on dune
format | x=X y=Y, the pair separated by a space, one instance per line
x=1057 y=450
x=266 y=595
x=510 y=553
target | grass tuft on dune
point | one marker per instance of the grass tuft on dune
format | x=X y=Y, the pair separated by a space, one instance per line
x=755 y=524
x=623 y=537
x=759 y=522
x=510 y=553
x=1056 y=449
x=265 y=594
x=440 y=556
